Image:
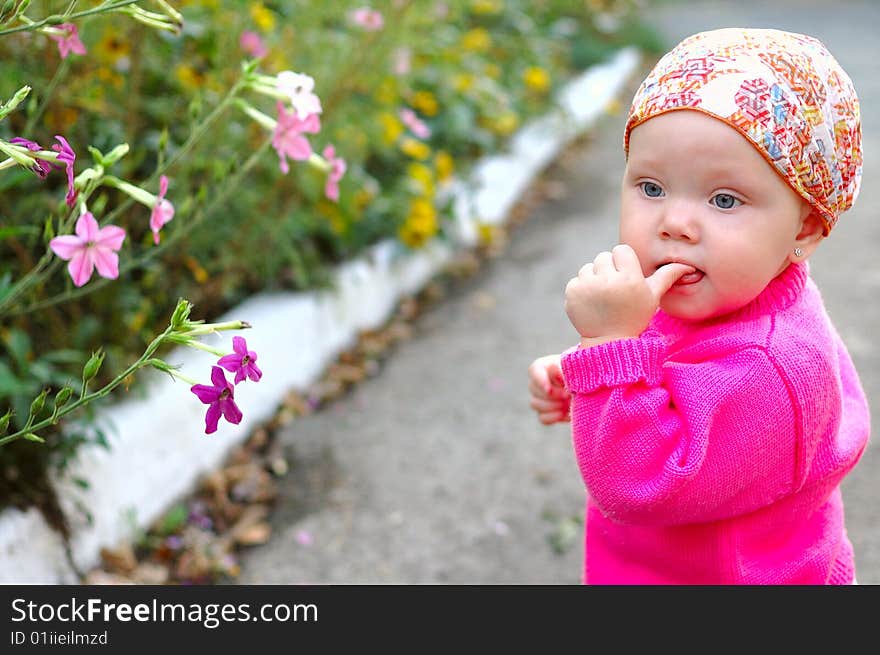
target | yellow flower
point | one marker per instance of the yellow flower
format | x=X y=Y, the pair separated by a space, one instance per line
x=444 y=164
x=263 y=17
x=425 y=102
x=61 y=118
x=189 y=77
x=362 y=198
x=391 y=126
x=423 y=177
x=487 y=234
x=137 y=321
x=387 y=92
x=112 y=47
x=109 y=77
x=536 y=79
x=486 y=7
x=198 y=272
x=493 y=71
x=505 y=123
x=420 y=224
x=462 y=82
x=415 y=149
x=477 y=40
x=331 y=211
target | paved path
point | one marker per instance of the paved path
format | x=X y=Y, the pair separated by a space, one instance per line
x=436 y=470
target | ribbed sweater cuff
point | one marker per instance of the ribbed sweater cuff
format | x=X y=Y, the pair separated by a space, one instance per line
x=614 y=363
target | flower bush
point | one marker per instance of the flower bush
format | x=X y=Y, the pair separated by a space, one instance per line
x=212 y=148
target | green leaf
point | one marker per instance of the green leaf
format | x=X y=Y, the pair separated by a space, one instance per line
x=16 y=230
x=174 y=519
x=18 y=344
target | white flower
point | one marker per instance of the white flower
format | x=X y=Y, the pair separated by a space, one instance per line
x=298 y=87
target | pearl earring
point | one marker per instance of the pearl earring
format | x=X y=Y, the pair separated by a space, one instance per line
x=798 y=252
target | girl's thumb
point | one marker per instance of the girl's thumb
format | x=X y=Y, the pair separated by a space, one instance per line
x=665 y=276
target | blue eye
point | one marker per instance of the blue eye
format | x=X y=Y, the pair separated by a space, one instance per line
x=725 y=201
x=652 y=190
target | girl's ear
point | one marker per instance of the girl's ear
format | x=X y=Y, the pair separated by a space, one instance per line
x=807 y=240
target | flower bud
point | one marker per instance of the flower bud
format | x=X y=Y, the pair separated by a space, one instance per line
x=16 y=100
x=116 y=154
x=181 y=314
x=4 y=421
x=54 y=19
x=39 y=402
x=90 y=370
x=48 y=230
x=30 y=436
x=62 y=397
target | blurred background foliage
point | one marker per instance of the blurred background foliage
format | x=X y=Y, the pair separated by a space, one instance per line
x=471 y=70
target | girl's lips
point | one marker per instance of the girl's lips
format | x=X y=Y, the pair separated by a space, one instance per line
x=689 y=278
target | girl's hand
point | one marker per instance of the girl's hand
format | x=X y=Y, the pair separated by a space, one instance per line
x=549 y=397
x=611 y=299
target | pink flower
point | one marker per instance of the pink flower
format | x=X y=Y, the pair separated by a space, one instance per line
x=68 y=41
x=337 y=170
x=91 y=248
x=409 y=118
x=41 y=166
x=288 y=139
x=67 y=156
x=368 y=18
x=252 y=44
x=300 y=89
x=220 y=398
x=402 y=61
x=242 y=362
x=163 y=210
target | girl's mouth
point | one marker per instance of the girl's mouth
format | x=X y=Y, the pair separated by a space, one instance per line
x=689 y=278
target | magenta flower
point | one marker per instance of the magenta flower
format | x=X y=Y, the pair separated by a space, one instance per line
x=41 y=166
x=242 y=362
x=369 y=19
x=68 y=41
x=288 y=139
x=163 y=210
x=220 y=398
x=252 y=44
x=91 y=248
x=67 y=156
x=418 y=128
x=337 y=170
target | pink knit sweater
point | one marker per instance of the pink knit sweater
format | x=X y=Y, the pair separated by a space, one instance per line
x=712 y=452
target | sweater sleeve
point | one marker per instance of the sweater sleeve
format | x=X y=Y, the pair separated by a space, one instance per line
x=668 y=443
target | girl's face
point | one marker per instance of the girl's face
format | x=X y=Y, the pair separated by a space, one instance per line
x=696 y=191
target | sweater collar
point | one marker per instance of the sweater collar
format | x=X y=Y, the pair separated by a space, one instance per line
x=779 y=294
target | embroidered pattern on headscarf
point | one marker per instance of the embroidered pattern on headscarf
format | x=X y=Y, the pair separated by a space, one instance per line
x=783 y=91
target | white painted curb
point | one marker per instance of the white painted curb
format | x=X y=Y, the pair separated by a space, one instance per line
x=158 y=446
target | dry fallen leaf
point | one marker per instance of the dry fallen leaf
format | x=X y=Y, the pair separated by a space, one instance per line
x=119 y=560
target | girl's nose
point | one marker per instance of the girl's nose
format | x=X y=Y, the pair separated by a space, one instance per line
x=679 y=223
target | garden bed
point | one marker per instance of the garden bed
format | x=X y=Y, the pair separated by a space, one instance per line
x=158 y=449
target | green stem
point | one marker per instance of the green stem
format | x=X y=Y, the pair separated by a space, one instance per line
x=60 y=72
x=30 y=26
x=198 y=345
x=100 y=393
x=36 y=274
x=194 y=137
x=175 y=236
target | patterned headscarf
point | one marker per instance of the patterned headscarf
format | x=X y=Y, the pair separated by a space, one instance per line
x=784 y=92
